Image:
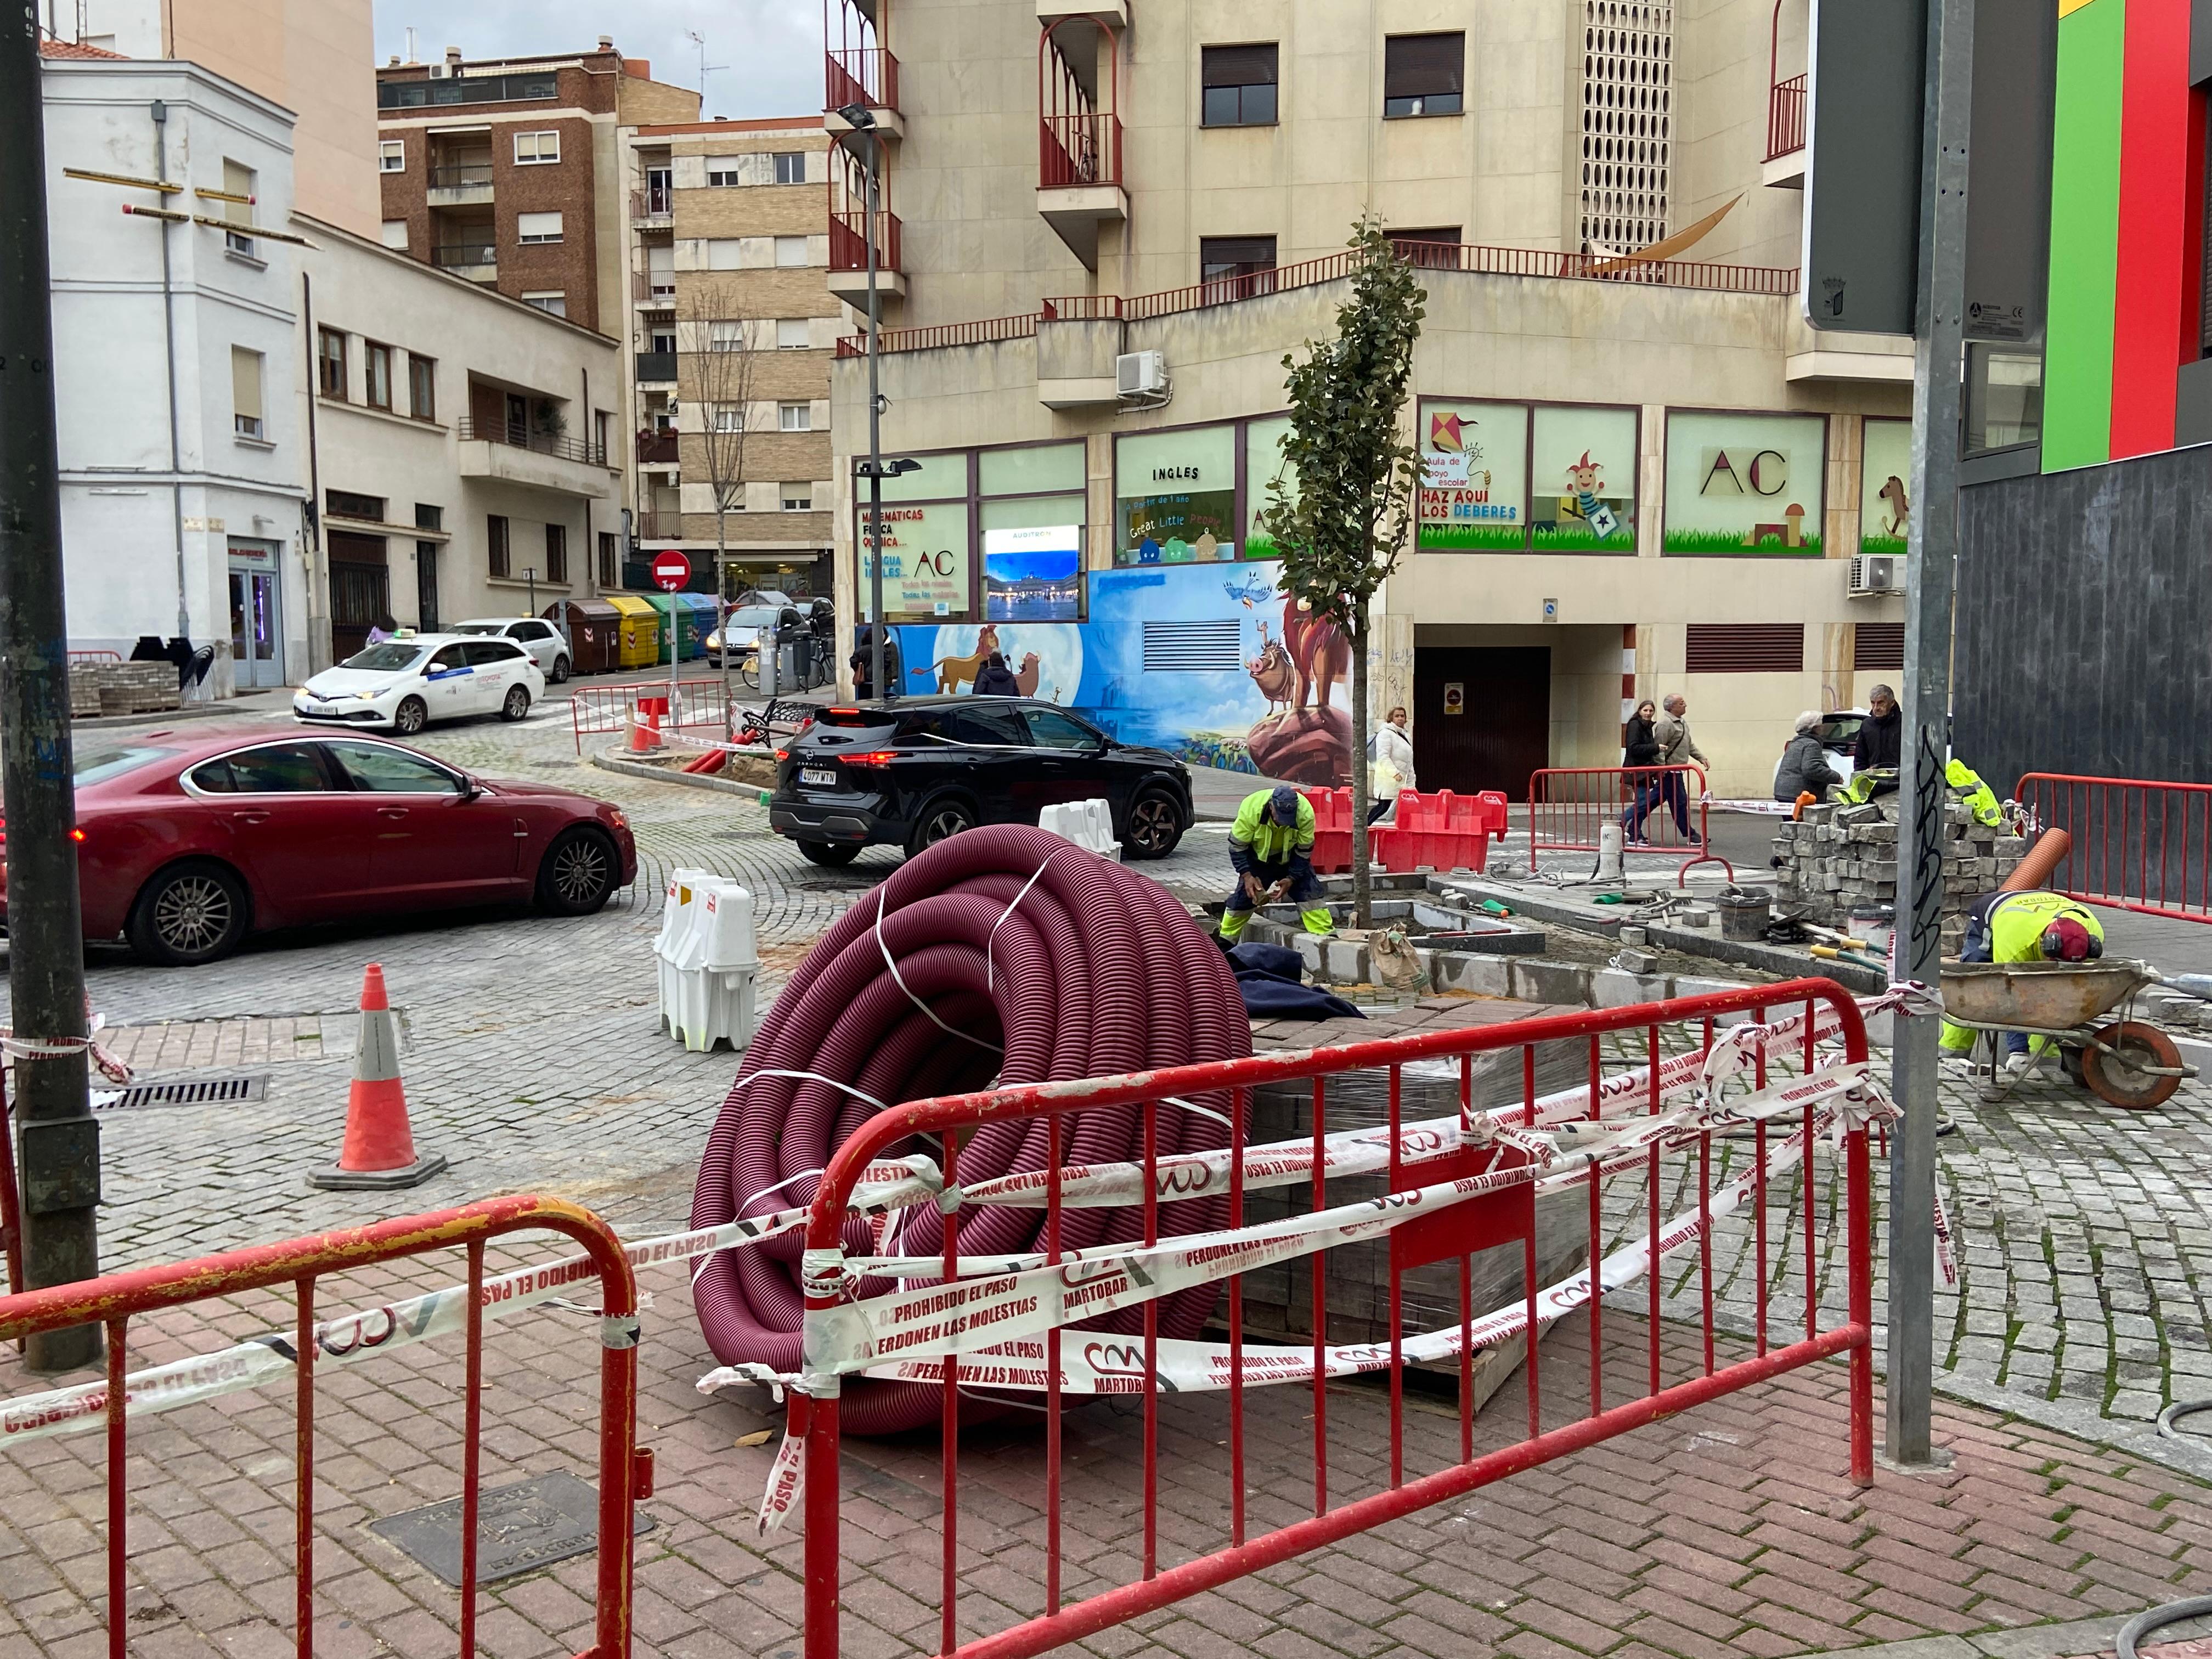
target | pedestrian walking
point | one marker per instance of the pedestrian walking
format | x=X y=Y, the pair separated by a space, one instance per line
x=1677 y=748
x=1805 y=770
x=1640 y=747
x=1392 y=753
x=995 y=679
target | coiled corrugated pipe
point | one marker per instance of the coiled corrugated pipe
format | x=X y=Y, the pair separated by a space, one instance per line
x=1095 y=970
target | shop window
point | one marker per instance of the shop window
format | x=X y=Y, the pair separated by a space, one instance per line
x=1030 y=470
x=1744 y=485
x=1474 y=478
x=1582 y=471
x=1886 y=487
x=1421 y=73
x=1176 y=496
x=1264 y=463
x=925 y=554
x=1238 y=86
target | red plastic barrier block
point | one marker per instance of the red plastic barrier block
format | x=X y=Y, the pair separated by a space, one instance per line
x=1332 y=852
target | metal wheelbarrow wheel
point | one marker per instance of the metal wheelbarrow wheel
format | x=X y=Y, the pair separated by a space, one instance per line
x=2114 y=1072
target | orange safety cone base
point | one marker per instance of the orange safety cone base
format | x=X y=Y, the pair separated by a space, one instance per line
x=379 y=1151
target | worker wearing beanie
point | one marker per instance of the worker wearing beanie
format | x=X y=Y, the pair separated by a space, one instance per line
x=2024 y=927
x=1271 y=845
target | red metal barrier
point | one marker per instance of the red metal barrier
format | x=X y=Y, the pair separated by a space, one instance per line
x=1568 y=804
x=95 y=656
x=112 y=1300
x=2139 y=844
x=1331 y=853
x=1453 y=1233
x=1442 y=831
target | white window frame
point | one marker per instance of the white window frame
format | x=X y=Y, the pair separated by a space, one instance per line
x=399 y=246
x=724 y=174
x=776 y=166
x=804 y=504
x=725 y=334
x=536 y=297
x=794 y=417
x=538 y=158
x=724 y=247
x=805 y=253
x=805 y=327
x=391 y=156
x=251 y=426
x=725 y=417
x=527 y=240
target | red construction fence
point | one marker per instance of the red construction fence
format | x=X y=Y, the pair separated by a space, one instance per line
x=1663 y=811
x=1442 y=831
x=114 y=1301
x=1477 y=1180
x=2138 y=844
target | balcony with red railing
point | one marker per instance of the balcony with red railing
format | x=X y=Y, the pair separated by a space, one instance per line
x=858 y=68
x=848 y=242
x=1785 y=118
x=1078 y=134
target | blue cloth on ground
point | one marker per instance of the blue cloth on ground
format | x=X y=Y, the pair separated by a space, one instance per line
x=1272 y=979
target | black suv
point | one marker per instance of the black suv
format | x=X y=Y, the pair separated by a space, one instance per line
x=927 y=767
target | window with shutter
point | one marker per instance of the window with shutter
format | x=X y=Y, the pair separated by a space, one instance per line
x=246 y=392
x=1421 y=73
x=1237 y=267
x=1433 y=247
x=1745 y=648
x=1238 y=85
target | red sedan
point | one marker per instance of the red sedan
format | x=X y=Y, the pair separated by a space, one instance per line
x=187 y=843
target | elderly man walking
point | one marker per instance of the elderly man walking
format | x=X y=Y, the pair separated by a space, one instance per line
x=1671 y=731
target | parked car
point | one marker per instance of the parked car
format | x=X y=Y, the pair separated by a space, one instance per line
x=187 y=843
x=742 y=624
x=547 y=646
x=407 y=682
x=1839 y=732
x=931 y=767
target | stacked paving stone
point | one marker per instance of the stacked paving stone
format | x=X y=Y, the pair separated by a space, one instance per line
x=1838 y=858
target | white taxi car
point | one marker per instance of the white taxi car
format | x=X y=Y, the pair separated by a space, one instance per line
x=547 y=646
x=404 y=684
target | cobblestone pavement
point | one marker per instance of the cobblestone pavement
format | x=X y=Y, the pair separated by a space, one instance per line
x=1728 y=1532
x=531 y=1056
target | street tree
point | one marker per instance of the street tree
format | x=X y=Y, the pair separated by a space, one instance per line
x=1344 y=504
x=718 y=376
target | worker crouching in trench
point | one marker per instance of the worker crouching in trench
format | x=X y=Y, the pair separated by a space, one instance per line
x=1271 y=845
x=2032 y=927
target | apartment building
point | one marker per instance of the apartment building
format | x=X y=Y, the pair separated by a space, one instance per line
x=504 y=170
x=1645 y=475
x=735 y=318
x=465 y=447
x=176 y=357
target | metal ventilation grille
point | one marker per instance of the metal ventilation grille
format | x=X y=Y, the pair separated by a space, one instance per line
x=189 y=1091
x=1878 y=645
x=1628 y=118
x=1745 y=648
x=1193 y=647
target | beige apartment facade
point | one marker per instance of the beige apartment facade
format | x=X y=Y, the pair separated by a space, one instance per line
x=1644 y=477
x=733 y=323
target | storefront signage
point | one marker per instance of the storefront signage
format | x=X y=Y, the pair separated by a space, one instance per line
x=1474 y=477
x=925 y=554
x=1744 y=484
x=1176 y=496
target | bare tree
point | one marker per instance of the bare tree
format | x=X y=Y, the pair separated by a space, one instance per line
x=716 y=372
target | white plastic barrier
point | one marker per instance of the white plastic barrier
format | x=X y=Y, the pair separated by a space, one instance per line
x=1088 y=823
x=707 y=960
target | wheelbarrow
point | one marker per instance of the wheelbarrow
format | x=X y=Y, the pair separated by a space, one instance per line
x=2125 y=1062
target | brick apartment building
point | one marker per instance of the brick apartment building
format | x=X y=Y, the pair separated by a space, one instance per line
x=503 y=171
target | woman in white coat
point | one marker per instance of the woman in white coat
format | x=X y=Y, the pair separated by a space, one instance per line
x=1393 y=764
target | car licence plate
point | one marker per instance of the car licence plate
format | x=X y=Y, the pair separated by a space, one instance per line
x=821 y=775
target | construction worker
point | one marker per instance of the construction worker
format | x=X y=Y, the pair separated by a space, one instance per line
x=1271 y=844
x=2030 y=927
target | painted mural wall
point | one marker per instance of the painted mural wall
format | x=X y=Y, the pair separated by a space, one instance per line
x=1210 y=662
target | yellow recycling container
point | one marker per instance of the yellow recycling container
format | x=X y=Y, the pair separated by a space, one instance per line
x=641 y=631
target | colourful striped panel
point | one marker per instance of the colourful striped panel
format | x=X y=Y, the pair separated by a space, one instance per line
x=2153 y=253
x=2084 y=215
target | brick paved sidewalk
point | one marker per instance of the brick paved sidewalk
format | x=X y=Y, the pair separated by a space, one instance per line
x=1729 y=1531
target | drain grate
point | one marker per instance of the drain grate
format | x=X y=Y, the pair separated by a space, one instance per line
x=187 y=1091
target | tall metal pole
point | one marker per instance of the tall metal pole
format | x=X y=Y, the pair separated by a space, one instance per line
x=875 y=535
x=60 y=1141
x=1931 y=581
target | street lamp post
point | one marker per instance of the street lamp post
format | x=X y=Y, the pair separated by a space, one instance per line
x=862 y=119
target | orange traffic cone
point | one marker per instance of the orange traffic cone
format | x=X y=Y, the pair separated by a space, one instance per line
x=645 y=729
x=379 y=1147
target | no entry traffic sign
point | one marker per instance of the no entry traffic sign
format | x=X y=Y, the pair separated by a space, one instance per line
x=671 y=570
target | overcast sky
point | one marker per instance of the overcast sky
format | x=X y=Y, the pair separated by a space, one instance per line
x=773 y=48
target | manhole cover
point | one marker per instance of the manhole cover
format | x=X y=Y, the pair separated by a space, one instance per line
x=189 y=1091
x=520 y=1528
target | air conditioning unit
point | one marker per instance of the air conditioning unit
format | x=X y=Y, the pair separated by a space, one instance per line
x=1873 y=574
x=1141 y=373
